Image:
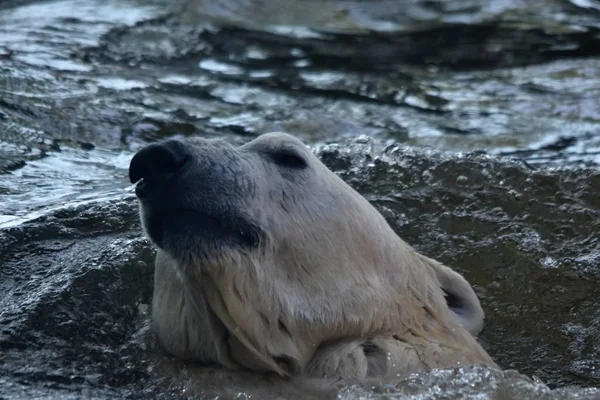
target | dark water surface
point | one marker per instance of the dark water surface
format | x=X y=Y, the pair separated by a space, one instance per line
x=114 y=75
x=84 y=84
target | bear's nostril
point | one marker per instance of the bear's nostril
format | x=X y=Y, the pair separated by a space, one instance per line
x=157 y=162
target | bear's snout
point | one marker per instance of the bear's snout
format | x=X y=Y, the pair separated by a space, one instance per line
x=191 y=195
x=156 y=164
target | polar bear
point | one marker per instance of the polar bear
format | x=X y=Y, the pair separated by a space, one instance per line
x=268 y=261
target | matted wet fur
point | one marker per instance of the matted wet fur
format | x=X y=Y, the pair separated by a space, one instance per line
x=268 y=261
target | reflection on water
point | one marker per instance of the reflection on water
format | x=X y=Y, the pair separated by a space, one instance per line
x=361 y=16
x=83 y=84
x=75 y=177
x=37 y=40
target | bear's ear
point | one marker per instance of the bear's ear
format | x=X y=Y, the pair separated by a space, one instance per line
x=460 y=296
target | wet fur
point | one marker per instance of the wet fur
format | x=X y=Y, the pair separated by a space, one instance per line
x=330 y=291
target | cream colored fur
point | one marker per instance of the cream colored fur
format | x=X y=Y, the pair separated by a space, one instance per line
x=332 y=291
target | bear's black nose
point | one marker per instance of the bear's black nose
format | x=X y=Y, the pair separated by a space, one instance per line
x=156 y=163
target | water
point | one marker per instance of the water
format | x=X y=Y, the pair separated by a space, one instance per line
x=37 y=78
x=97 y=80
x=74 y=178
x=84 y=84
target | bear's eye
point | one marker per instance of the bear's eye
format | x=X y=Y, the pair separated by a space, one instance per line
x=288 y=158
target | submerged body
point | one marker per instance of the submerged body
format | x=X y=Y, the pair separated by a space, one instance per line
x=268 y=261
